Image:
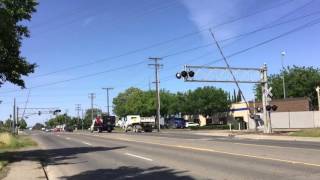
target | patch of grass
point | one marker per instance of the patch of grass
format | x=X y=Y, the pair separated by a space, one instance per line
x=307 y=133
x=9 y=142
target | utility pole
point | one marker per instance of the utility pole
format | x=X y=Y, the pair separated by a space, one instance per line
x=318 y=93
x=17 y=121
x=156 y=68
x=78 y=108
x=108 y=89
x=92 y=96
x=14 y=116
x=82 y=119
x=283 y=53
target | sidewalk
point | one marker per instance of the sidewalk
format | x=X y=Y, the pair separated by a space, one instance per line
x=244 y=135
x=26 y=170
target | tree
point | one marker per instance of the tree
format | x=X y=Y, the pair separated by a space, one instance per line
x=88 y=120
x=23 y=124
x=38 y=126
x=8 y=123
x=13 y=65
x=299 y=81
x=207 y=101
x=238 y=99
x=234 y=97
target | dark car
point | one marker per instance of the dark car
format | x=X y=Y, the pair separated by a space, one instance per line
x=176 y=123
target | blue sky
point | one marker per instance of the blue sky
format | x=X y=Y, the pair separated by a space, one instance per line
x=80 y=32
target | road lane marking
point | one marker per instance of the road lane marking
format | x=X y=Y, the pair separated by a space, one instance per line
x=271 y=146
x=67 y=138
x=86 y=143
x=140 y=157
x=217 y=151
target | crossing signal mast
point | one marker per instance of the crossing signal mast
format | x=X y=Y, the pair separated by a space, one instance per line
x=228 y=75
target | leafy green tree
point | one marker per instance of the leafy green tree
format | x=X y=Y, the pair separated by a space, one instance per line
x=59 y=120
x=8 y=123
x=38 y=126
x=23 y=124
x=207 y=101
x=238 y=99
x=299 y=81
x=234 y=97
x=12 y=31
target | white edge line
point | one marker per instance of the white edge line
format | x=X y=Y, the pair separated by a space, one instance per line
x=133 y=155
x=86 y=143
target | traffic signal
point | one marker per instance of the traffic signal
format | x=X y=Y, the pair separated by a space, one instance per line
x=191 y=73
x=185 y=74
x=56 y=111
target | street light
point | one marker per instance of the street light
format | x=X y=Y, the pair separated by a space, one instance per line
x=283 y=53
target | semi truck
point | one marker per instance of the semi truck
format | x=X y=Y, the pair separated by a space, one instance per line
x=103 y=123
x=136 y=123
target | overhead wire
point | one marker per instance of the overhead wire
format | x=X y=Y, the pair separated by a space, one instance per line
x=202 y=29
x=306 y=25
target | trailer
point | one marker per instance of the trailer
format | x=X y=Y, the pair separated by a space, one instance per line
x=136 y=123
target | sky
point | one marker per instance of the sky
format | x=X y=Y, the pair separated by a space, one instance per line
x=81 y=46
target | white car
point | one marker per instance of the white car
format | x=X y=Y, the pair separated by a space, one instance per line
x=192 y=124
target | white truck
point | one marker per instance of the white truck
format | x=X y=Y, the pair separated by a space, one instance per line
x=136 y=123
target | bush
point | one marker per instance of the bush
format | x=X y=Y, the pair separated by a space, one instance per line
x=224 y=126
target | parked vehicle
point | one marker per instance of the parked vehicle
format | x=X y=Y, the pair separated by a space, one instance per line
x=192 y=124
x=136 y=123
x=176 y=122
x=104 y=123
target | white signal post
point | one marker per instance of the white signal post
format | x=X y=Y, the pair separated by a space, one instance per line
x=318 y=93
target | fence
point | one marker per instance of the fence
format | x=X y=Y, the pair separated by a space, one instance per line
x=303 y=119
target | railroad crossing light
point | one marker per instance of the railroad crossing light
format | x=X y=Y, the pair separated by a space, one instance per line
x=178 y=76
x=274 y=107
x=268 y=107
x=259 y=109
x=184 y=74
x=191 y=73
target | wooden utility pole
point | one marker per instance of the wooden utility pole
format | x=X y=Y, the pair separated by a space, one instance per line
x=157 y=82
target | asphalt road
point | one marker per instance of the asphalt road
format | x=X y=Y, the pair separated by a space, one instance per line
x=174 y=156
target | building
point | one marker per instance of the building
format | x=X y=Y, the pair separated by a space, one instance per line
x=241 y=114
x=288 y=104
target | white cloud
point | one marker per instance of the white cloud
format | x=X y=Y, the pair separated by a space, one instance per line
x=87 y=21
x=213 y=12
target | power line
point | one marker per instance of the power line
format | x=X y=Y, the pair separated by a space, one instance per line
x=309 y=24
x=304 y=26
x=79 y=77
x=202 y=29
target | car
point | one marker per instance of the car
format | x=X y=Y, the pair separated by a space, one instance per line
x=192 y=124
x=176 y=123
